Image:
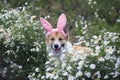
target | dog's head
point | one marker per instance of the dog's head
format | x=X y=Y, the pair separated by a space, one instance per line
x=56 y=37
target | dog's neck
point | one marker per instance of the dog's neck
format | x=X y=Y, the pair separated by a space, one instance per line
x=65 y=50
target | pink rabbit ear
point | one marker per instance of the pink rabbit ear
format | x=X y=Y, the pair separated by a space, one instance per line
x=46 y=25
x=61 y=22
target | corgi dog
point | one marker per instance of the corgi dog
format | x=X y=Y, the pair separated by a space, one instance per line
x=57 y=39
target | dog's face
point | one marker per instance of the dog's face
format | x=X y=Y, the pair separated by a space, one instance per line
x=56 y=41
x=56 y=37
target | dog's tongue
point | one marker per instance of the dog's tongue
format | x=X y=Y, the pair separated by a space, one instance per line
x=56 y=50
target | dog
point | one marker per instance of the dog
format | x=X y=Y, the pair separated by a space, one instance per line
x=57 y=39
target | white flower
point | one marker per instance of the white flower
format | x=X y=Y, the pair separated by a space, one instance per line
x=79 y=67
x=96 y=54
x=97 y=49
x=84 y=32
x=42 y=77
x=62 y=58
x=52 y=76
x=20 y=67
x=80 y=63
x=65 y=73
x=76 y=24
x=37 y=69
x=88 y=74
x=26 y=3
x=14 y=65
x=118 y=20
x=114 y=38
x=94 y=2
x=4 y=71
x=33 y=17
x=49 y=69
x=69 y=68
x=86 y=65
x=33 y=74
x=56 y=77
x=74 y=58
x=116 y=74
x=71 y=78
x=63 y=65
x=107 y=57
x=30 y=77
x=82 y=57
x=92 y=66
x=47 y=62
x=98 y=74
x=101 y=59
x=112 y=73
x=79 y=73
x=96 y=14
x=106 y=76
x=94 y=37
x=117 y=65
x=110 y=35
x=47 y=75
x=37 y=49
x=33 y=49
x=87 y=44
x=118 y=51
x=28 y=59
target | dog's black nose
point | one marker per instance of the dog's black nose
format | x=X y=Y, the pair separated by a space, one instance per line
x=56 y=46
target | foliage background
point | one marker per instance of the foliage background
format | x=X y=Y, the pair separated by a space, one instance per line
x=30 y=50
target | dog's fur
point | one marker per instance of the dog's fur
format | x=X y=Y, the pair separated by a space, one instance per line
x=57 y=41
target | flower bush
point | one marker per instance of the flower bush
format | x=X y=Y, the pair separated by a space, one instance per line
x=22 y=46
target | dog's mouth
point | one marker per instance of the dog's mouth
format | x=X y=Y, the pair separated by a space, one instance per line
x=57 y=50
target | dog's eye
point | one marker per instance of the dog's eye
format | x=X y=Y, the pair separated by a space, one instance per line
x=60 y=39
x=52 y=39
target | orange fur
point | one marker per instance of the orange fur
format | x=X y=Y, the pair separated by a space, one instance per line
x=78 y=48
x=56 y=35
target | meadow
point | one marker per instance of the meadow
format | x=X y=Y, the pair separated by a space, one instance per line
x=23 y=53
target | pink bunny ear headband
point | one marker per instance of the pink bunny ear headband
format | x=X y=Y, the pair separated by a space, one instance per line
x=60 y=25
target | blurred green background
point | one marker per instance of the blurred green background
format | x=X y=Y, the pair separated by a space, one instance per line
x=96 y=11
x=108 y=11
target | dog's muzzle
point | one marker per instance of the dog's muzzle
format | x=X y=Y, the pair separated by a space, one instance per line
x=57 y=47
